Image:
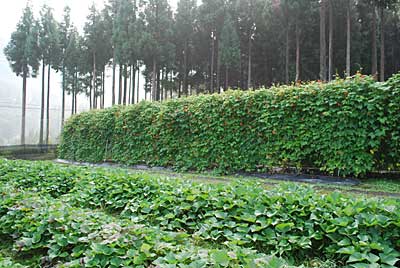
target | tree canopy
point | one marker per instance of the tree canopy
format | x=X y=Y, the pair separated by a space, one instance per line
x=203 y=47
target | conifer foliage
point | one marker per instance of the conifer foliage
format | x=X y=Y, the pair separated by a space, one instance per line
x=203 y=47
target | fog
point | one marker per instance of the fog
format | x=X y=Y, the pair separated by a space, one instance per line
x=11 y=85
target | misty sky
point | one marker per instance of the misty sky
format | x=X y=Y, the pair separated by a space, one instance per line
x=10 y=14
x=10 y=85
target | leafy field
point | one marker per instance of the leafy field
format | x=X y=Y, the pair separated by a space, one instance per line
x=61 y=216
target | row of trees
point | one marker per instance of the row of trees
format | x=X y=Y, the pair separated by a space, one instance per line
x=204 y=48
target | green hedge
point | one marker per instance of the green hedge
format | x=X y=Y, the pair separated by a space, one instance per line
x=347 y=126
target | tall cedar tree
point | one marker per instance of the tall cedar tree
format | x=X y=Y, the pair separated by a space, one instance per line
x=49 y=41
x=243 y=43
x=23 y=54
x=157 y=17
x=229 y=49
x=66 y=28
x=184 y=27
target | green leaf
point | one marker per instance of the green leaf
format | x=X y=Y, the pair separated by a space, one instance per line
x=36 y=237
x=359 y=257
x=221 y=257
x=284 y=227
x=102 y=249
x=145 y=248
x=347 y=250
x=390 y=259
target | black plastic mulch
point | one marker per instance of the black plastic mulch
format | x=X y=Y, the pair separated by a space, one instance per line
x=314 y=179
x=269 y=178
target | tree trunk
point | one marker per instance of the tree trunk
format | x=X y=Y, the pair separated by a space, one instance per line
x=90 y=92
x=393 y=57
x=138 y=88
x=212 y=64
x=298 y=34
x=165 y=88
x=133 y=70
x=153 y=91
x=287 y=53
x=73 y=95
x=241 y=67
x=322 y=58
x=268 y=68
x=374 y=59
x=125 y=83
x=226 y=77
x=103 y=87
x=158 y=86
x=113 y=80
x=76 y=103
x=348 y=44
x=185 y=69
x=171 y=79
x=218 y=67
x=179 y=88
x=397 y=57
x=41 y=140
x=48 y=106
x=76 y=93
x=23 y=119
x=330 y=64
x=94 y=82
x=63 y=98
x=99 y=97
x=382 y=33
x=120 y=85
x=162 y=84
x=249 y=85
x=130 y=84
x=166 y=84
x=133 y=83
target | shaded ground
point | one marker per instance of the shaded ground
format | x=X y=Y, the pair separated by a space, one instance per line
x=29 y=152
x=315 y=179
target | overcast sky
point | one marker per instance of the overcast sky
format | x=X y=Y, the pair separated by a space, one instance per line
x=10 y=85
x=10 y=14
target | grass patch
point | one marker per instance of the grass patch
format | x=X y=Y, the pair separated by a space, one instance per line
x=381 y=185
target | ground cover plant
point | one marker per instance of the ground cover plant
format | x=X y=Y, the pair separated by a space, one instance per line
x=110 y=218
x=344 y=127
x=75 y=236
